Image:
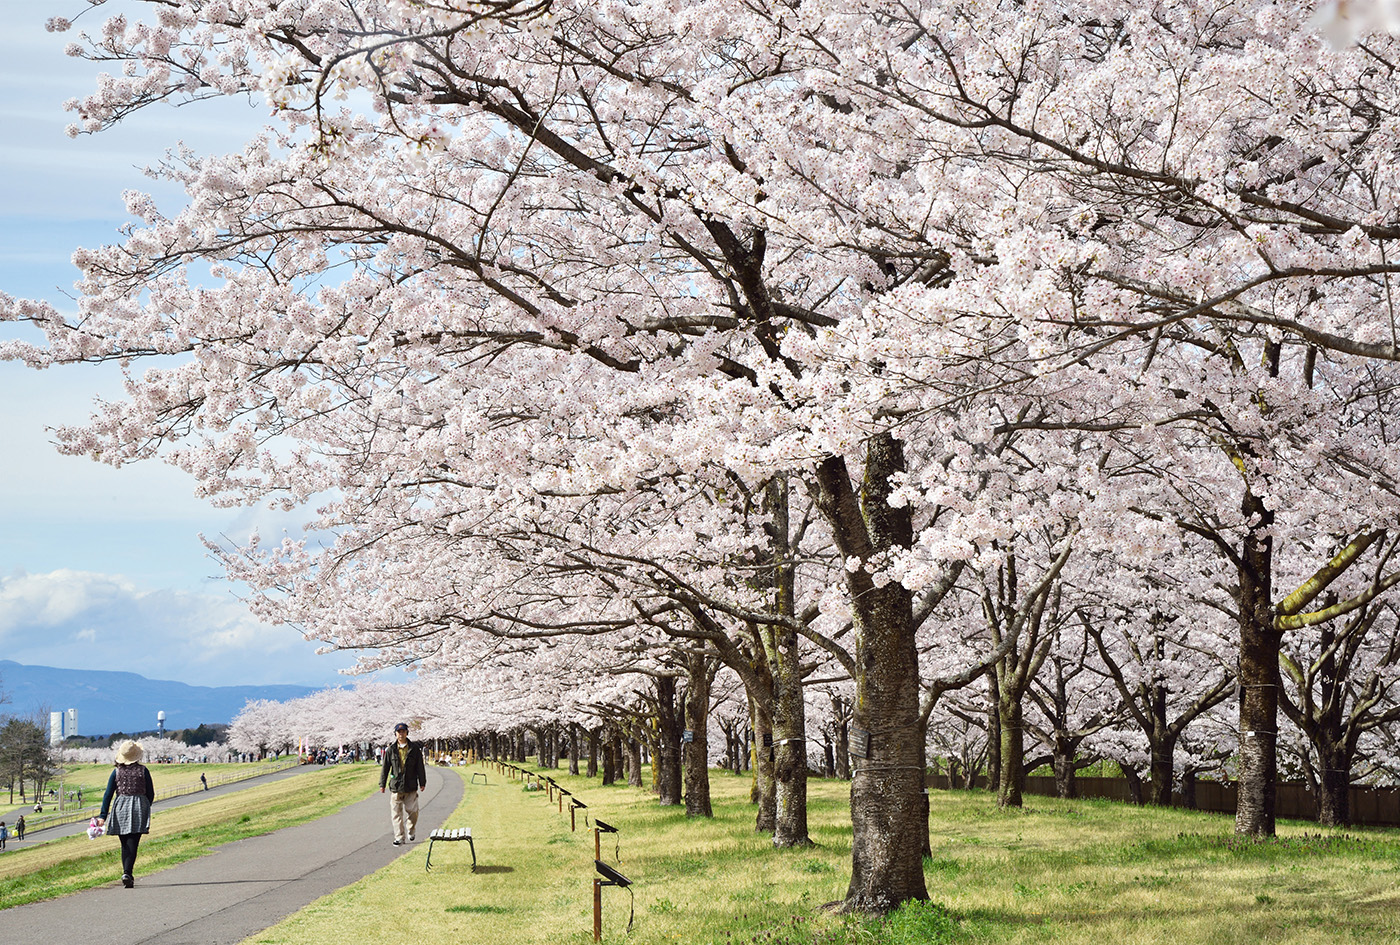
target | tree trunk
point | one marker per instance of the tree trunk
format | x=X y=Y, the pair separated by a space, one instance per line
x=573 y=748
x=1013 y=748
x=763 y=794
x=611 y=761
x=700 y=673
x=1334 y=787
x=667 y=769
x=843 y=739
x=1066 y=783
x=887 y=799
x=1188 y=789
x=591 y=770
x=1258 y=677
x=993 y=733
x=634 y=763
x=1163 y=770
x=780 y=647
x=1134 y=784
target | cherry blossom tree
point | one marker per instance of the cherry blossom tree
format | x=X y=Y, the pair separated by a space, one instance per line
x=563 y=249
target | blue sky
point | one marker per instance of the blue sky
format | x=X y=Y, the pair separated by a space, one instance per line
x=102 y=568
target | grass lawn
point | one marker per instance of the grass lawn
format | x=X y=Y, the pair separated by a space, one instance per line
x=1056 y=871
x=93 y=780
x=63 y=866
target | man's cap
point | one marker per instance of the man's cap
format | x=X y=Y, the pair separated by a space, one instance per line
x=401 y=727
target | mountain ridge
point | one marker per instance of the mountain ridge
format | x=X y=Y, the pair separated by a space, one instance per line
x=111 y=701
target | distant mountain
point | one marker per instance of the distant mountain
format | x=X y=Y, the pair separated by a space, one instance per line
x=110 y=702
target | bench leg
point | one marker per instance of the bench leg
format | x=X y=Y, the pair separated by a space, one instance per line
x=429 y=865
x=472 y=844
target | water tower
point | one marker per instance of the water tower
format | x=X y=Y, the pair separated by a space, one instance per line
x=160 y=722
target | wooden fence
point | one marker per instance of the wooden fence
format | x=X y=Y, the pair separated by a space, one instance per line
x=1370 y=806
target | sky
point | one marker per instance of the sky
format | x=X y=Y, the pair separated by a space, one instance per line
x=103 y=568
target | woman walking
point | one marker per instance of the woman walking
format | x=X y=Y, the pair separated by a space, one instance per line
x=130 y=793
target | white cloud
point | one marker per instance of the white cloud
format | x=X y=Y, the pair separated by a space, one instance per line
x=85 y=620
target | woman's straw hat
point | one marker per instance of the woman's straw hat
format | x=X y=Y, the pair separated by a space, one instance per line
x=129 y=751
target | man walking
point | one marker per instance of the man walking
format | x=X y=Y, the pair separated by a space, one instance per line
x=405 y=775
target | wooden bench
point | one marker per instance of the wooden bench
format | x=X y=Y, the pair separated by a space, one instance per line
x=447 y=835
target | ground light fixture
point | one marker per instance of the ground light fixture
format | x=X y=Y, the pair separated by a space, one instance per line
x=611 y=877
x=600 y=828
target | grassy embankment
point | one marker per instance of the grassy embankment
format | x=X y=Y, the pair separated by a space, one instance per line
x=93 y=781
x=58 y=867
x=1067 y=872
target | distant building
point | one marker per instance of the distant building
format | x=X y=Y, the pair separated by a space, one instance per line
x=62 y=725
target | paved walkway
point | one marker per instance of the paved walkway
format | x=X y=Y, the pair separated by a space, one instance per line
x=241 y=887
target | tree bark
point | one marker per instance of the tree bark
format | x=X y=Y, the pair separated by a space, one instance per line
x=1334 y=787
x=668 y=744
x=591 y=770
x=841 y=720
x=573 y=748
x=1066 y=782
x=1163 y=771
x=1258 y=676
x=634 y=762
x=1188 y=789
x=1013 y=749
x=699 y=675
x=763 y=793
x=780 y=646
x=887 y=788
x=611 y=761
x=993 y=734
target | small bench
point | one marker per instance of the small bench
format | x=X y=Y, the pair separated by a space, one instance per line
x=481 y=775
x=447 y=835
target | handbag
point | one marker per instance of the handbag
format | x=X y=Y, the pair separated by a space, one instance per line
x=95 y=829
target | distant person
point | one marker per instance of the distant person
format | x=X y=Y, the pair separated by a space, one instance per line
x=203 y=780
x=404 y=773
x=4 y=834
x=19 y=828
x=130 y=793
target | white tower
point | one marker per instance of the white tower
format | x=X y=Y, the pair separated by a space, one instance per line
x=160 y=722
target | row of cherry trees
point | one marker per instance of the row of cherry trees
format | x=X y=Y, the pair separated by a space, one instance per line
x=1045 y=349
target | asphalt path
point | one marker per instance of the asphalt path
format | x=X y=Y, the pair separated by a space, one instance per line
x=238 y=889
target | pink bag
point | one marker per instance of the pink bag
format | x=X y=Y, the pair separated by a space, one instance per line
x=95 y=829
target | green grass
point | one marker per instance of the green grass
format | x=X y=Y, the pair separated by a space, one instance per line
x=63 y=866
x=1063 y=872
x=1071 y=872
x=93 y=780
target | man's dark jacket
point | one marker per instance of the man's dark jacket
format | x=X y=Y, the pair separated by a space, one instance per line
x=401 y=777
